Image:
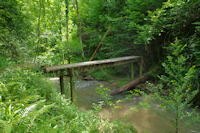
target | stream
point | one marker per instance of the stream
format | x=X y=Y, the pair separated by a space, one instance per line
x=142 y=113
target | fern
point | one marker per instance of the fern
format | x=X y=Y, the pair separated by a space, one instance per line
x=39 y=108
x=5 y=127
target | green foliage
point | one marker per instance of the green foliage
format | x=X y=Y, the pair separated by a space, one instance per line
x=175 y=91
x=128 y=127
x=135 y=92
x=100 y=75
x=104 y=93
x=14 y=28
x=28 y=103
x=32 y=28
x=174 y=19
x=125 y=16
x=4 y=63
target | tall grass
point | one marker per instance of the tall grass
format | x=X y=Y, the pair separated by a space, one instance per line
x=28 y=103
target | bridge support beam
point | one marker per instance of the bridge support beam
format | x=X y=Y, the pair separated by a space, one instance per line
x=141 y=66
x=71 y=78
x=62 y=88
x=132 y=71
x=83 y=66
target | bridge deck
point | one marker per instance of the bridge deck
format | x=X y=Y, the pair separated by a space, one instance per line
x=95 y=64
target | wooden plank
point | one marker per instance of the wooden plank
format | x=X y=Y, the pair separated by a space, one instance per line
x=95 y=64
x=98 y=66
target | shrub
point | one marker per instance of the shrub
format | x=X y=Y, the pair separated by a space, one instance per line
x=175 y=91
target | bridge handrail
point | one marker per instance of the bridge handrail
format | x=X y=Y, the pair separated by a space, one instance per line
x=93 y=63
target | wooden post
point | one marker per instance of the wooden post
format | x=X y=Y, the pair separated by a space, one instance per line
x=62 y=88
x=132 y=71
x=71 y=74
x=141 y=66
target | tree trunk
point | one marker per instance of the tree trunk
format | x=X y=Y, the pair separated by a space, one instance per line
x=109 y=28
x=177 y=117
x=38 y=42
x=67 y=25
x=130 y=85
x=67 y=18
x=79 y=30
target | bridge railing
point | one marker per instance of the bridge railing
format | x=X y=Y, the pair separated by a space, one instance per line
x=90 y=65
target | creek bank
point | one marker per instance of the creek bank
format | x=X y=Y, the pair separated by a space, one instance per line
x=142 y=113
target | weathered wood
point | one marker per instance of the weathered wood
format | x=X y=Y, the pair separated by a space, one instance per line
x=71 y=73
x=130 y=85
x=141 y=66
x=62 y=88
x=83 y=66
x=132 y=71
x=95 y=64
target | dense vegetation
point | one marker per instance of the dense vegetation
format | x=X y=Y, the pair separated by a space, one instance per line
x=31 y=104
x=51 y=32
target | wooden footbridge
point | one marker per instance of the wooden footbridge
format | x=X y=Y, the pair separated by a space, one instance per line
x=90 y=65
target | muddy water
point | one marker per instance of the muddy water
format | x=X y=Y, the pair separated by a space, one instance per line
x=141 y=112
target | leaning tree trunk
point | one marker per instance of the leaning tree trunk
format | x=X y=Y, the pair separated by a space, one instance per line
x=109 y=28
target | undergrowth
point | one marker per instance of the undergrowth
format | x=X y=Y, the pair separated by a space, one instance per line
x=28 y=103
